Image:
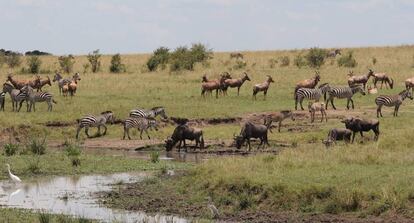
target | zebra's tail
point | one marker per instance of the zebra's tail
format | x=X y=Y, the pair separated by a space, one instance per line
x=294 y=94
x=77 y=120
x=53 y=100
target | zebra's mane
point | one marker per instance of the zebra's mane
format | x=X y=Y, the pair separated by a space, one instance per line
x=157 y=107
x=323 y=85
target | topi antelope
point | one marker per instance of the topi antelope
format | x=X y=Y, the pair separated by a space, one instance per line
x=262 y=87
x=42 y=82
x=19 y=84
x=363 y=79
x=233 y=83
x=409 y=84
x=383 y=77
x=213 y=85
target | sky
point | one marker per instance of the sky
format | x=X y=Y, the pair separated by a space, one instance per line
x=140 y=26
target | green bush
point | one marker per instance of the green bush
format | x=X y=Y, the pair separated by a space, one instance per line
x=155 y=157
x=240 y=64
x=347 y=60
x=284 y=61
x=66 y=63
x=34 y=63
x=181 y=59
x=299 y=61
x=44 y=218
x=72 y=150
x=10 y=149
x=13 y=60
x=316 y=57
x=272 y=62
x=159 y=58
x=94 y=60
x=37 y=147
x=116 y=64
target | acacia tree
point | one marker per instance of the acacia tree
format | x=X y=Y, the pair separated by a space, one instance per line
x=66 y=63
x=94 y=60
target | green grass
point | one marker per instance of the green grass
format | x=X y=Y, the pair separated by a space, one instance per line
x=11 y=215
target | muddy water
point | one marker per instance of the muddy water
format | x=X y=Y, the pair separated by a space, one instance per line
x=73 y=196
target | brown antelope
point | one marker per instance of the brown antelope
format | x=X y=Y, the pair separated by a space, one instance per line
x=216 y=84
x=238 y=82
x=383 y=77
x=236 y=55
x=317 y=106
x=19 y=84
x=409 y=84
x=278 y=117
x=41 y=83
x=309 y=83
x=262 y=87
x=363 y=79
x=65 y=90
x=72 y=86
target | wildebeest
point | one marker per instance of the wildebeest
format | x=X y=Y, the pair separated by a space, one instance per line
x=383 y=77
x=337 y=134
x=250 y=130
x=236 y=55
x=238 y=82
x=360 y=125
x=363 y=79
x=308 y=83
x=278 y=117
x=262 y=87
x=183 y=132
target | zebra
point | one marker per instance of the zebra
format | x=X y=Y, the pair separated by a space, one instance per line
x=95 y=121
x=392 y=100
x=311 y=94
x=142 y=124
x=2 y=99
x=152 y=113
x=32 y=97
x=343 y=92
x=16 y=95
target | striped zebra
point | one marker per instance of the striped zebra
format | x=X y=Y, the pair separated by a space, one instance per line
x=392 y=100
x=142 y=124
x=152 y=113
x=17 y=96
x=95 y=121
x=2 y=99
x=310 y=93
x=32 y=97
x=343 y=92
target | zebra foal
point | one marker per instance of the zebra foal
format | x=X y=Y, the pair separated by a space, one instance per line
x=392 y=100
x=95 y=121
x=142 y=124
x=310 y=94
x=343 y=92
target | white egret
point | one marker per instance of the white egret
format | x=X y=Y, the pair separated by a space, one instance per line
x=13 y=177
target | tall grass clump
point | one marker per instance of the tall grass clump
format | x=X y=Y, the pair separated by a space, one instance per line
x=272 y=62
x=94 y=60
x=73 y=151
x=10 y=149
x=155 y=157
x=37 y=146
x=299 y=61
x=116 y=64
x=284 y=61
x=66 y=63
x=316 y=57
x=347 y=60
x=44 y=218
x=34 y=63
x=158 y=59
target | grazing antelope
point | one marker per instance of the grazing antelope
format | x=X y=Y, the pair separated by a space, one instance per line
x=343 y=92
x=317 y=106
x=409 y=84
x=16 y=95
x=213 y=85
x=236 y=55
x=333 y=53
x=262 y=87
x=363 y=79
x=72 y=86
x=223 y=77
x=32 y=97
x=152 y=113
x=308 y=83
x=62 y=81
x=383 y=77
x=278 y=117
x=95 y=121
x=392 y=100
x=19 y=84
x=238 y=82
x=142 y=124
x=65 y=90
x=42 y=82
x=310 y=93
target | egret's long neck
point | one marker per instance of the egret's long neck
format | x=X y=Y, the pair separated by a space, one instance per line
x=8 y=168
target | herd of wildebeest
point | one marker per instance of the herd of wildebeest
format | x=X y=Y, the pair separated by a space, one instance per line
x=145 y=119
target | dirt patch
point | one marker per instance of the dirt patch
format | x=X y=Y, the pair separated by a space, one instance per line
x=15 y=134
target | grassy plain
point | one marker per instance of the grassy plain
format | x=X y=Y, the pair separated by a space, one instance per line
x=369 y=178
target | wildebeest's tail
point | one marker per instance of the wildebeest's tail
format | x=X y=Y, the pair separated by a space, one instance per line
x=201 y=141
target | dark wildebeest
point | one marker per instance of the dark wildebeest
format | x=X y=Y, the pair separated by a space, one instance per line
x=336 y=135
x=183 y=132
x=250 y=130
x=362 y=125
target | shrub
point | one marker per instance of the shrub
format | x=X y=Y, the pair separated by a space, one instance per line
x=347 y=60
x=316 y=57
x=240 y=64
x=37 y=147
x=34 y=166
x=200 y=53
x=374 y=61
x=284 y=61
x=66 y=63
x=155 y=157
x=34 y=63
x=72 y=150
x=116 y=64
x=10 y=149
x=94 y=60
x=181 y=59
x=86 y=67
x=2 y=59
x=13 y=60
x=299 y=61
x=272 y=62
x=159 y=58
x=36 y=53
